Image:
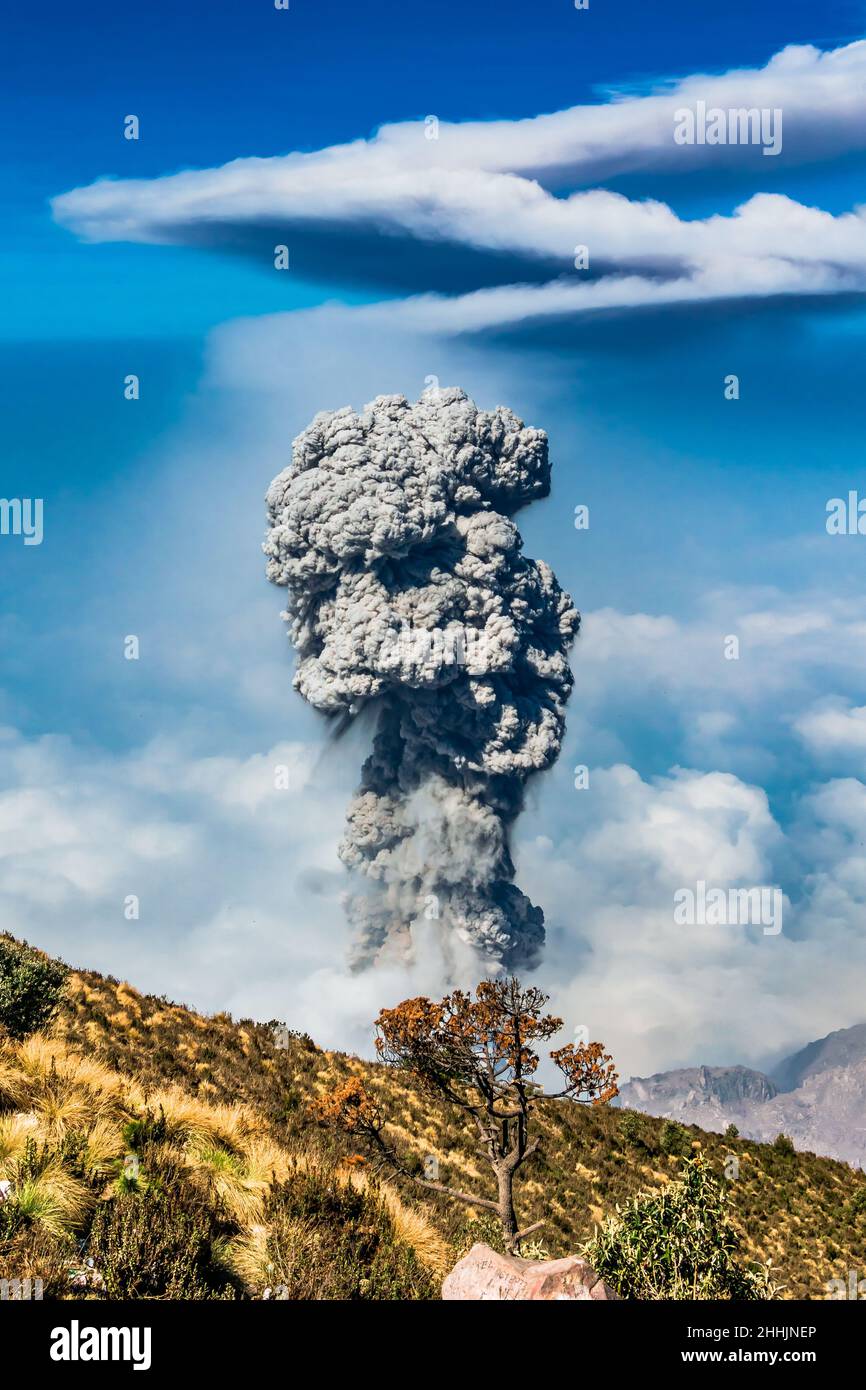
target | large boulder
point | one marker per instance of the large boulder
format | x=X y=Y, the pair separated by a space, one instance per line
x=485 y=1274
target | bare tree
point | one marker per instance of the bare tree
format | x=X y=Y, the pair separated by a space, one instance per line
x=478 y=1055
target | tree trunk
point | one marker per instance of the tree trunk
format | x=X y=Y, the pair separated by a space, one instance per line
x=507 y=1215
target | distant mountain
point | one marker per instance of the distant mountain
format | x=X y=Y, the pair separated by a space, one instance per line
x=845 y=1048
x=700 y=1086
x=817 y=1096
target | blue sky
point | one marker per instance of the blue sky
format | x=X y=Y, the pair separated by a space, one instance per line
x=707 y=515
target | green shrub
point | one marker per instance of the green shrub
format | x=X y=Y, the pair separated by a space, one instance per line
x=158 y=1243
x=677 y=1244
x=858 y=1202
x=149 y=1129
x=630 y=1129
x=674 y=1139
x=30 y=987
x=327 y=1240
x=486 y=1228
x=732 y=1133
x=784 y=1144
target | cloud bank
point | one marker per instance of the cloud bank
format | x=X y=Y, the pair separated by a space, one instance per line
x=494 y=222
x=240 y=901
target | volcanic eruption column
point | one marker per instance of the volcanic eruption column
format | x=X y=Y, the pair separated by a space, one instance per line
x=392 y=531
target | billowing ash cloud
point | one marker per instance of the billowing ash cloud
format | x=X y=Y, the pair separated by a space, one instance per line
x=392 y=531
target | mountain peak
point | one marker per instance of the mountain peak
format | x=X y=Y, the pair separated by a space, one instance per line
x=844 y=1048
x=699 y=1085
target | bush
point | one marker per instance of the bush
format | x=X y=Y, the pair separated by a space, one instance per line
x=630 y=1129
x=149 y=1130
x=157 y=1243
x=677 y=1244
x=30 y=987
x=732 y=1133
x=486 y=1228
x=674 y=1139
x=36 y=1255
x=328 y=1240
x=784 y=1144
x=858 y=1202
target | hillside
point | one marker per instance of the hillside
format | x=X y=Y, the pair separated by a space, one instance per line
x=294 y=1198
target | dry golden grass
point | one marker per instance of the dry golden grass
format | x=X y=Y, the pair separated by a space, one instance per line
x=225 y=1175
x=104 y=1147
x=13 y=1082
x=66 y=1093
x=247 y=1256
x=237 y=1125
x=186 y=1117
x=53 y=1199
x=36 y=1054
x=189 y=1118
x=40 y=1059
x=61 y=1110
x=412 y=1228
x=240 y=1179
x=15 y=1130
x=266 y=1162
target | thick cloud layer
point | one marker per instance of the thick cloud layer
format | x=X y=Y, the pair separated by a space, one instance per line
x=392 y=531
x=490 y=214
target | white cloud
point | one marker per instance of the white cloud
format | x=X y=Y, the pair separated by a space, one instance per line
x=240 y=887
x=486 y=187
x=663 y=995
x=833 y=728
x=723 y=278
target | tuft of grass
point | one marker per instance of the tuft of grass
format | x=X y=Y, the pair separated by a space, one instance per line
x=13 y=1083
x=103 y=1148
x=61 y=1111
x=44 y=1193
x=410 y=1226
x=187 y=1118
x=15 y=1130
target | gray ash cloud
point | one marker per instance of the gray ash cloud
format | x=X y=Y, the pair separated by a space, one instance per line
x=408 y=590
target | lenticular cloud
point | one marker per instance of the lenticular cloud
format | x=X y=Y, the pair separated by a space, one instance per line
x=408 y=590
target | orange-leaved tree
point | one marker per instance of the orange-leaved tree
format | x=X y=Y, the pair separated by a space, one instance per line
x=478 y=1054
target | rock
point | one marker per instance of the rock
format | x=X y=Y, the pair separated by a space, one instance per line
x=485 y=1274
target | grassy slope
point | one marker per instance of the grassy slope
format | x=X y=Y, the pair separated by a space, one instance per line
x=796 y=1211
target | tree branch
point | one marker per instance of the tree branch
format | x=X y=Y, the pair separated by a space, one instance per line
x=527 y=1230
x=452 y=1192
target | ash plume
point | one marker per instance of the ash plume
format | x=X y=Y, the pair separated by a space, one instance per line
x=407 y=589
